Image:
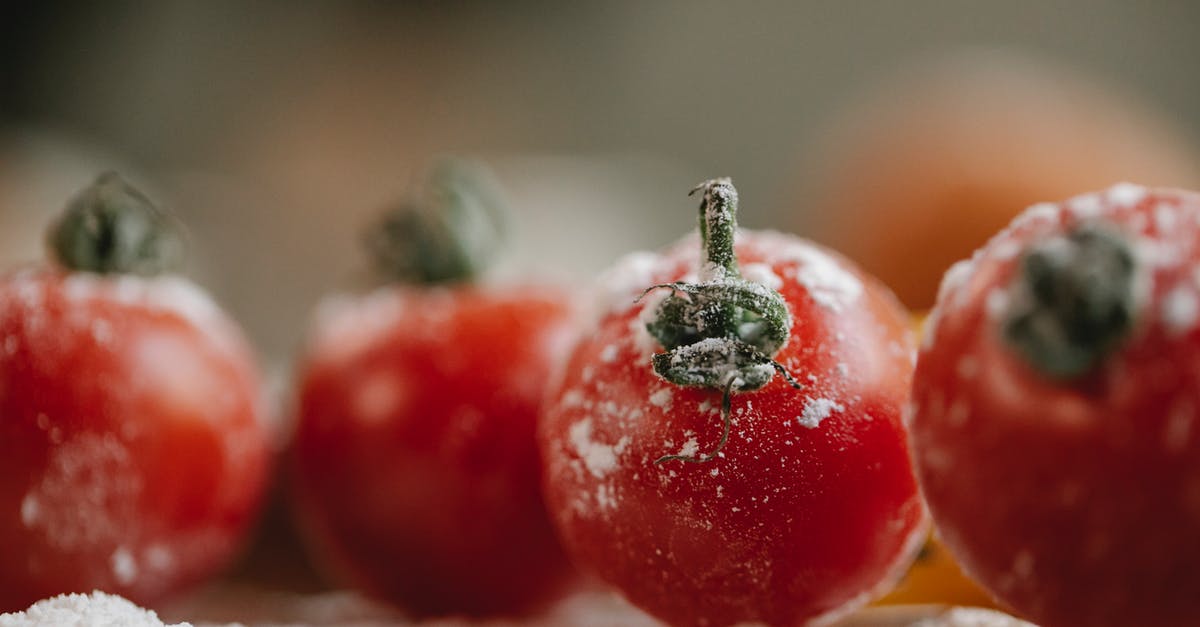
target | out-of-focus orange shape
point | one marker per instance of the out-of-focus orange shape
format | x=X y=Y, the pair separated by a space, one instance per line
x=941 y=156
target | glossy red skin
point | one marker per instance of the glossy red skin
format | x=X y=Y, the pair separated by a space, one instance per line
x=789 y=524
x=415 y=471
x=132 y=450
x=1074 y=503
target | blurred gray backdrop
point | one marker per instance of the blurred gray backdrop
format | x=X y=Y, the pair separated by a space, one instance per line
x=277 y=129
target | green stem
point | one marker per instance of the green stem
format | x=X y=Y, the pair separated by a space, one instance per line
x=1072 y=302
x=723 y=332
x=718 y=224
x=447 y=234
x=111 y=228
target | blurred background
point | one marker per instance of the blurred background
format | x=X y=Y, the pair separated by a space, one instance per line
x=901 y=133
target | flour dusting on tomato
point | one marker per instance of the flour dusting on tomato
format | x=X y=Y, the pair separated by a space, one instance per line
x=762 y=274
x=1180 y=310
x=345 y=324
x=173 y=294
x=827 y=280
x=1127 y=194
x=124 y=566
x=599 y=459
x=816 y=410
x=618 y=288
x=952 y=284
x=662 y=397
x=1087 y=206
x=87 y=496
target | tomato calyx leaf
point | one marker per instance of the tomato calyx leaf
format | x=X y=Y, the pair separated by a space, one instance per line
x=722 y=332
x=449 y=232
x=1072 y=303
x=112 y=228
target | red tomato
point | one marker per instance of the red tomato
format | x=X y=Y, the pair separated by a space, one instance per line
x=810 y=507
x=415 y=469
x=1054 y=408
x=132 y=449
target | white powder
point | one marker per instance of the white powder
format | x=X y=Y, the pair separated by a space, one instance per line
x=971 y=617
x=762 y=274
x=829 y=284
x=663 y=397
x=1126 y=194
x=599 y=459
x=1040 y=212
x=124 y=567
x=608 y=354
x=1006 y=249
x=30 y=510
x=344 y=325
x=689 y=448
x=1086 y=206
x=816 y=410
x=1180 y=310
x=165 y=293
x=97 y=609
x=619 y=286
x=996 y=304
x=573 y=398
x=952 y=283
x=87 y=495
x=1165 y=219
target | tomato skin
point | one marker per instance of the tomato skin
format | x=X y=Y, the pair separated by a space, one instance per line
x=133 y=452
x=789 y=524
x=1075 y=503
x=415 y=471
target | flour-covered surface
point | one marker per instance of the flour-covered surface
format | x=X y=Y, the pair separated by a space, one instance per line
x=224 y=605
x=1059 y=457
x=85 y=610
x=811 y=493
x=932 y=616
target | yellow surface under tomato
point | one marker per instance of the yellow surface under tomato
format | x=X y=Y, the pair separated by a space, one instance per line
x=936 y=578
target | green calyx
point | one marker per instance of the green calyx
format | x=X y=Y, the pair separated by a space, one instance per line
x=448 y=233
x=1072 y=301
x=111 y=228
x=722 y=332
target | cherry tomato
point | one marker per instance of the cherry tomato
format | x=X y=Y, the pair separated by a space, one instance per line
x=416 y=474
x=1053 y=410
x=806 y=508
x=132 y=446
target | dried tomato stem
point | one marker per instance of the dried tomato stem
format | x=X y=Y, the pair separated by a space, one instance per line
x=110 y=228
x=448 y=233
x=724 y=331
x=1072 y=302
x=726 y=423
